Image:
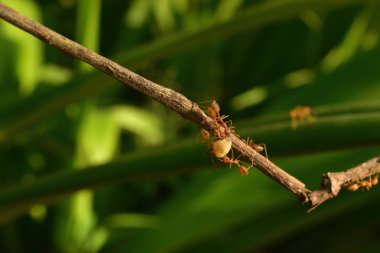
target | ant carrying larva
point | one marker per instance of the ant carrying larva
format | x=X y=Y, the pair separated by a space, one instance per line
x=221 y=145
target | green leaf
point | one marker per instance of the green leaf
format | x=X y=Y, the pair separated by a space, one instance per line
x=217 y=205
x=88 y=24
x=152 y=163
x=29 y=50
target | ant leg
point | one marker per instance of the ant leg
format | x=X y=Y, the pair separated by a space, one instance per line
x=266 y=153
x=205 y=135
x=265 y=150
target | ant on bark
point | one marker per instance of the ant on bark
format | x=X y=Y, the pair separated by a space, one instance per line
x=222 y=129
x=222 y=146
x=257 y=147
x=365 y=184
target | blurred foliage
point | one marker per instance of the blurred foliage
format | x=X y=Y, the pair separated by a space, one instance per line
x=147 y=183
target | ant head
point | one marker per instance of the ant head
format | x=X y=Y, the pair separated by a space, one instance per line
x=228 y=131
x=214 y=106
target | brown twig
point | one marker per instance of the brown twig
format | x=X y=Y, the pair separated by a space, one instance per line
x=176 y=102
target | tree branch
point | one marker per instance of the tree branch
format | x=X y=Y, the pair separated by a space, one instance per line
x=187 y=109
x=333 y=182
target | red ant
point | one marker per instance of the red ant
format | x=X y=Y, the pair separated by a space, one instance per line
x=299 y=114
x=222 y=146
x=242 y=169
x=257 y=147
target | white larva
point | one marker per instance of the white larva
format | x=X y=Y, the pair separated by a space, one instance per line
x=221 y=148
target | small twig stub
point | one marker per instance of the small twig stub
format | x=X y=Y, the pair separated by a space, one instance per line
x=364 y=176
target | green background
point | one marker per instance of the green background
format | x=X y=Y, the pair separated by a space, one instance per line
x=89 y=165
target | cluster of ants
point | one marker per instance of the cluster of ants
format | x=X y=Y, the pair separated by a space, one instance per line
x=221 y=144
x=364 y=184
